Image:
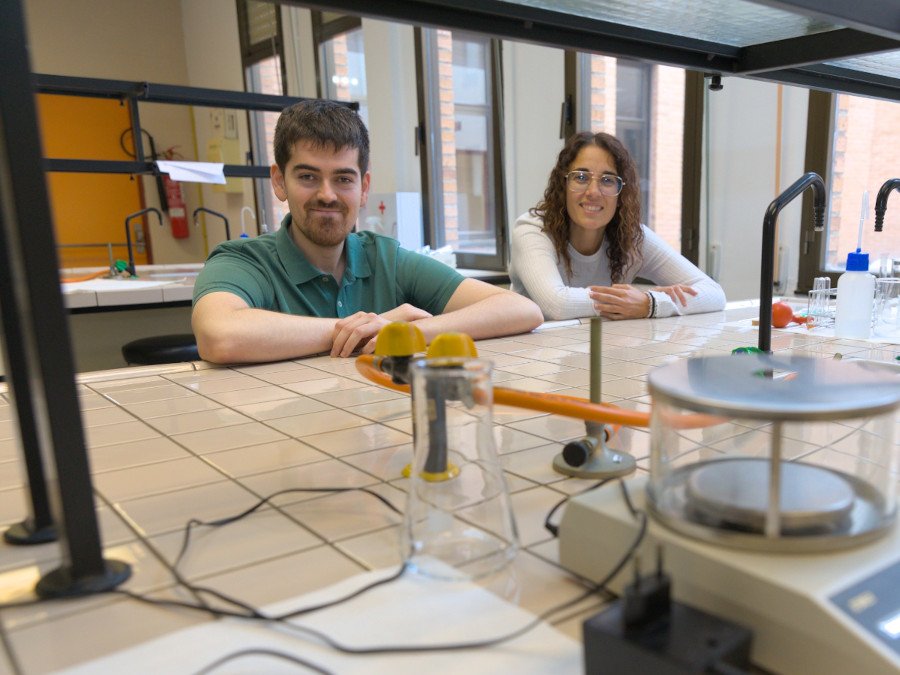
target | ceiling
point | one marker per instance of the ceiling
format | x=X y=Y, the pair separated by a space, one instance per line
x=834 y=45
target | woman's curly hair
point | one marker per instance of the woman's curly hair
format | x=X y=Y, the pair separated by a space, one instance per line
x=623 y=233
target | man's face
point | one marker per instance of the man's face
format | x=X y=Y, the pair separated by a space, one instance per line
x=324 y=191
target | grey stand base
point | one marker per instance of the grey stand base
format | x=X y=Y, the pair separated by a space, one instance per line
x=604 y=464
x=590 y=457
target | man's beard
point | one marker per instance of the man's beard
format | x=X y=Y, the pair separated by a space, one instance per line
x=325 y=230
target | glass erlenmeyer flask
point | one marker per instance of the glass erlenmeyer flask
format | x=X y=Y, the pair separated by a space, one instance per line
x=458 y=521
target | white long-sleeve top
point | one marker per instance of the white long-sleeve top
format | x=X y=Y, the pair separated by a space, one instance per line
x=536 y=272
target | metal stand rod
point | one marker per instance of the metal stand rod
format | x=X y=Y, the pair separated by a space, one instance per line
x=589 y=457
x=773 y=509
x=37 y=528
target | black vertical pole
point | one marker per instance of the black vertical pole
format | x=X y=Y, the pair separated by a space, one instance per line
x=38 y=527
x=33 y=312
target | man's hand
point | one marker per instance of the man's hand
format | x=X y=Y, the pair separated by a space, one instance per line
x=676 y=292
x=620 y=301
x=357 y=332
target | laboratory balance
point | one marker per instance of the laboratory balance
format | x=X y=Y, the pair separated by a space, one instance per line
x=772 y=491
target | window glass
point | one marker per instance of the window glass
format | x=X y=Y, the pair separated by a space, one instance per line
x=643 y=106
x=343 y=64
x=865 y=135
x=459 y=103
x=264 y=77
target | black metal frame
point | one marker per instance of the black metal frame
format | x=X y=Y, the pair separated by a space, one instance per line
x=137 y=92
x=873 y=27
x=38 y=351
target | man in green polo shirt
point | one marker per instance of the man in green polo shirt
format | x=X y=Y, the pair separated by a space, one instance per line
x=315 y=285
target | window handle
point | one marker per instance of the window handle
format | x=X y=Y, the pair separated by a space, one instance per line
x=565 y=117
x=419 y=138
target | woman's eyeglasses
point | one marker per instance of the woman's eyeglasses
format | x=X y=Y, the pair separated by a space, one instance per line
x=579 y=181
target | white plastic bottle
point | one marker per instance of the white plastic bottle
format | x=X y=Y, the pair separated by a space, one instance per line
x=855 y=298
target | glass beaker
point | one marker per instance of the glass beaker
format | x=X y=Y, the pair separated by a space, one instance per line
x=820 y=307
x=887 y=307
x=458 y=522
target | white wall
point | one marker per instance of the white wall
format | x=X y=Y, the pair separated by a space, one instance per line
x=532 y=99
x=393 y=116
x=123 y=40
x=739 y=178
x=214 y=62
x=180 y=42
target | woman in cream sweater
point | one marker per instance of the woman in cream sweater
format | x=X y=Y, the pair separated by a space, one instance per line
x=576 y=253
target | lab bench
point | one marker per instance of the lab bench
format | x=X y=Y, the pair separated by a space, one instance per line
x=105 y=314
x=193 y=440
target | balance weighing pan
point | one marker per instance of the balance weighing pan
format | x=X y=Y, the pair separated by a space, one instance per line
x=769 y=502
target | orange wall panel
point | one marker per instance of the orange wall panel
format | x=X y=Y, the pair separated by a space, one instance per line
x=88 y=208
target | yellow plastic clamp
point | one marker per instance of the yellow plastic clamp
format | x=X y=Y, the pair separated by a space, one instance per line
x=454 y=345
x=399 y=338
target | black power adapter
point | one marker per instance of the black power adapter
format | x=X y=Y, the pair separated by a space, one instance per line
x=645 y=631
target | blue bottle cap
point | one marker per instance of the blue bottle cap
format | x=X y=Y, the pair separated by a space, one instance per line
x=857 y=262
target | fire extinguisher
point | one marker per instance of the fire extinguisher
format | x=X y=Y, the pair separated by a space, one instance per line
x=175 y=205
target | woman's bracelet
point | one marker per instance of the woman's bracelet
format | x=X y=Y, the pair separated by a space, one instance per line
x=652 y=310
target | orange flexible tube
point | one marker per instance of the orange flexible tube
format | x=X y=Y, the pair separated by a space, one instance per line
x=368 y=366
x=567 y=406
x=84 y=277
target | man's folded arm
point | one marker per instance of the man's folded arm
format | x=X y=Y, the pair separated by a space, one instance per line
x=228 y=330
x=483 y=311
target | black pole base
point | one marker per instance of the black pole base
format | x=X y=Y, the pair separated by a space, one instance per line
x=59 y=583
x=27 y=533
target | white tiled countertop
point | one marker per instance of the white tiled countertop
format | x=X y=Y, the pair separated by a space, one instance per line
x=153 y=284
x=156 y=284
x=168 y=443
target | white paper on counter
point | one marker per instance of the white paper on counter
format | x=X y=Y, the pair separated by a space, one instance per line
x=547 y=325
x=800 y=329
x=194 y=172
x=410 y=611
x=100 y=285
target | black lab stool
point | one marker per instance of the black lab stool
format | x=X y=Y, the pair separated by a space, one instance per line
x=161 y=349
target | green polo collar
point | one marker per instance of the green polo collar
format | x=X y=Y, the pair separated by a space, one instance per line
x=357 y=260
x=300 y=270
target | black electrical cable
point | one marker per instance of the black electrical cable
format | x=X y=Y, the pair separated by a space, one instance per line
x=254 y=614
x=554 y=529
x=354 y=594
x=399 y=649
x=132 y=153
x=160 y=184
x=262 y=651
x=458 y=646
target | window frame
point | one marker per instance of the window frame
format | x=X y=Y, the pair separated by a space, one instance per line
x=432 y=192
x=251 y=55
x=692 y=145
x=323 y=31
x=811 y=263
